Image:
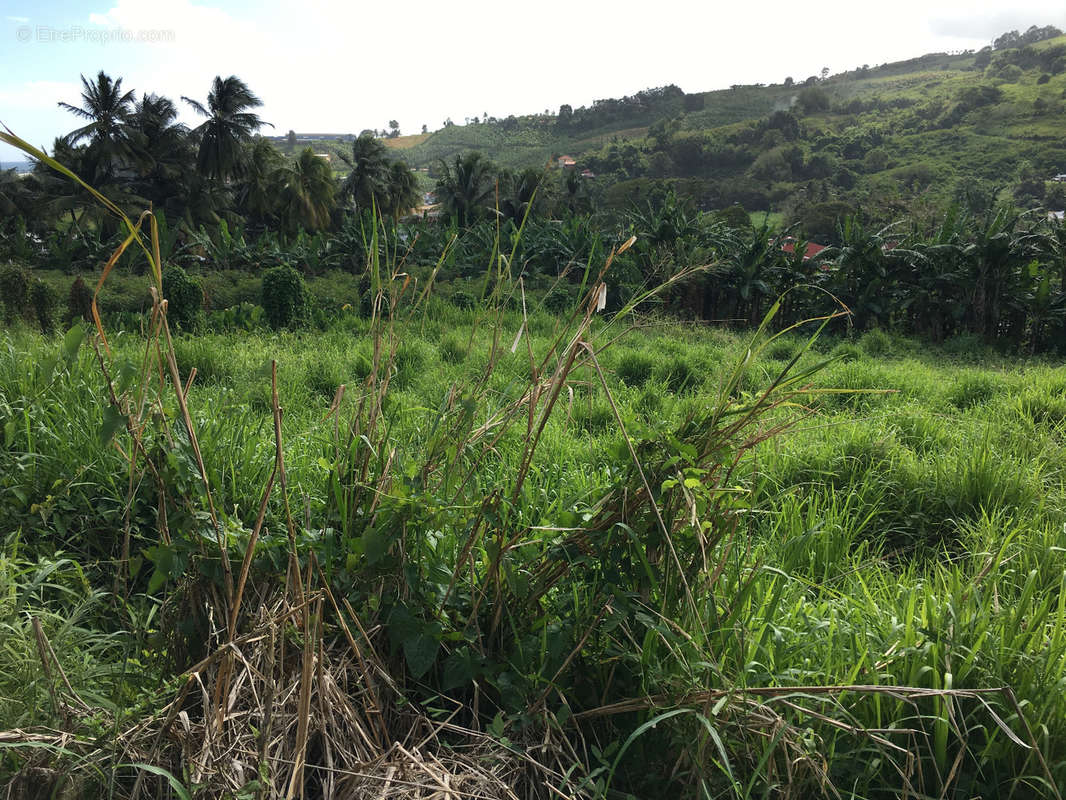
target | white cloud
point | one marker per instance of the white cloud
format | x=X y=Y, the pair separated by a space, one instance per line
x=18 y=20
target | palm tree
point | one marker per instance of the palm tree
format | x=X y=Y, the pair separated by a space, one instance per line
x=107 y=109
x=306 y=193
x=163 y=151
x=522 y=195
x=257 y=196
x=229 y=126
x=402 y=190
x=464 y=186
x=367 y=183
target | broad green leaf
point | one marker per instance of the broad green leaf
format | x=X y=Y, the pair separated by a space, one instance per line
x=420 y=652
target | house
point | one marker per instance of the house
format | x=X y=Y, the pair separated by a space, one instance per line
x=567 y=162
x=587 y=173
x=327 y=157
x=1060 y=178
x=812 y=249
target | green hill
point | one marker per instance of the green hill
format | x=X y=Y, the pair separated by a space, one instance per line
x=903 y=135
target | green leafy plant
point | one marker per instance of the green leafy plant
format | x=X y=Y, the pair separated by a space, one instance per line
x=284 y=297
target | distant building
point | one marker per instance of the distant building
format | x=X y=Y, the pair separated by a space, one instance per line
x=1060 y=178
x=567 y=162
x=327 y=157
x=587 y=173
x=812 y=249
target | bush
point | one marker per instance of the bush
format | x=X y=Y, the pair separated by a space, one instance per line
x=284 y=297
x=79 y=301
x=561 y=299
x=14 y=291
x=876 y=342
x=184 y=296
x=463 y=299
x=43 y=301
x=846 y=351
x=782 y=350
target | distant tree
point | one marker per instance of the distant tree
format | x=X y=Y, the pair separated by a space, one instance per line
x=306 y=193
x=366 y=184
x=106 y=108
x=789 y=82
x=163 y=152
x=465 y=185
x=983 y=58
x=813 y=99
x=825 y=73
x=290 y=140
x=448 y=122
x=401 y=190
x=521 y=196
x=229 y=127
x=566 y=113
x=1055 y=197
x=425 y=129
x=257 y=191
x=394 y=129
x=1005 y=40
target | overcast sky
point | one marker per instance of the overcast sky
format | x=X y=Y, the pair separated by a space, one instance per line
x=342 y=67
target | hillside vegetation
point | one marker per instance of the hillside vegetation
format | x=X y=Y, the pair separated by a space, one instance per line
x=902 y=138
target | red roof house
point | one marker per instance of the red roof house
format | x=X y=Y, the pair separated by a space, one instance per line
x=812 y=249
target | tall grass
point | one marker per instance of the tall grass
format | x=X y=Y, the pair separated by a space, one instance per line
x=498 y=549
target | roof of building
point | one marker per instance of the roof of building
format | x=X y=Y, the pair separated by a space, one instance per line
x=811 y=251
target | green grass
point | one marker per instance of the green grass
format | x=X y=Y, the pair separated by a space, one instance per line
x=913 y=537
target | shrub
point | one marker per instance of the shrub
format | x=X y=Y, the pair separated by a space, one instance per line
x=14 y=291
x=184 y=296
x=782 y=350
x=846 y=351
x=43 y=300
x=876 y=342
x=560 y=299
x=284 y=296
x=635 y=367
x=463 y=299
x=79 y=301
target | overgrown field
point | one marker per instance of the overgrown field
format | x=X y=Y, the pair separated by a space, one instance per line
x=650 y=566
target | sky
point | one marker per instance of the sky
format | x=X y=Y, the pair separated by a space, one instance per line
x=330 y=67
